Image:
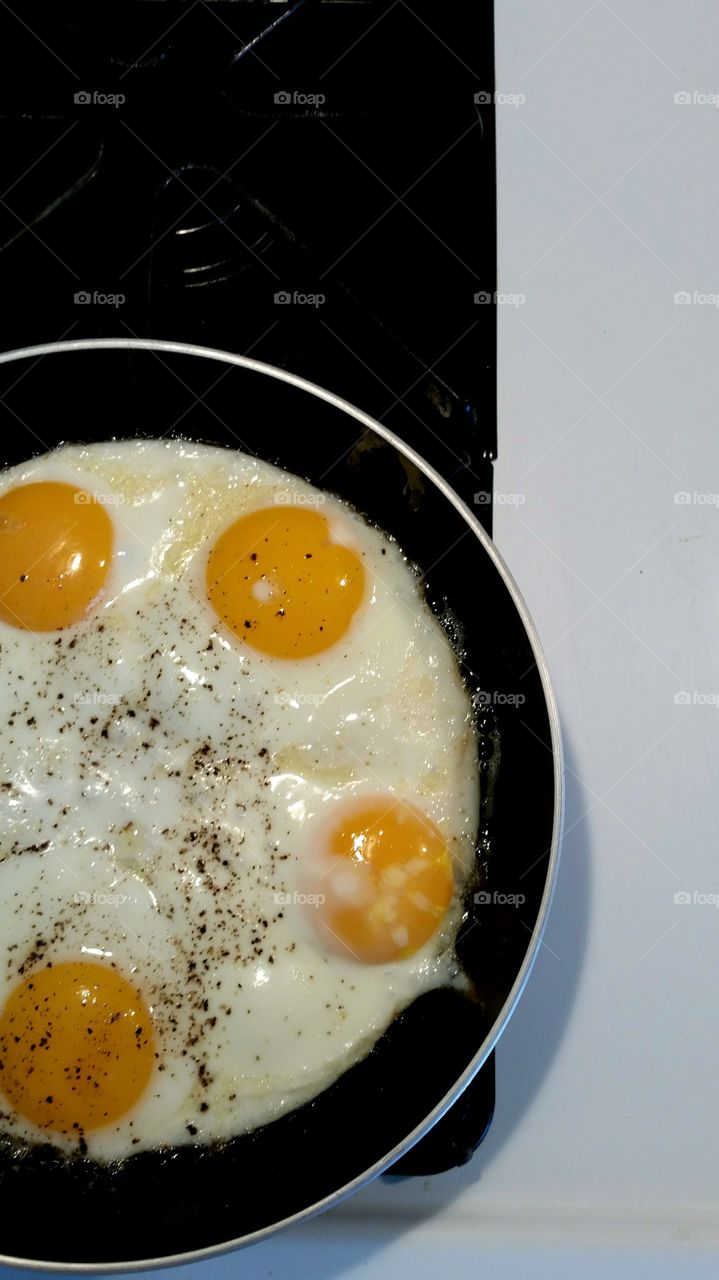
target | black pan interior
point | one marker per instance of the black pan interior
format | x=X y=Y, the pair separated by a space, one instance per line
x=154 y=1204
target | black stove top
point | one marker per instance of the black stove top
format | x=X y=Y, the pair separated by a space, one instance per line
x=308 y=182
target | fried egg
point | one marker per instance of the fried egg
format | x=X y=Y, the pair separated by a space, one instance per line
x=238 y=795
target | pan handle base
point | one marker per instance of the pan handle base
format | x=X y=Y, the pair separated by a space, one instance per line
x=455 y=1138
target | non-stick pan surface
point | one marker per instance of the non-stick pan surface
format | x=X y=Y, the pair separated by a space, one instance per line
x=167 y=1207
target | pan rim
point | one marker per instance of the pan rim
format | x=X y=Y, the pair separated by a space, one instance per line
x=491 y=1040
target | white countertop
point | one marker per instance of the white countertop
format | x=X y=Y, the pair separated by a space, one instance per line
x=602 y=1158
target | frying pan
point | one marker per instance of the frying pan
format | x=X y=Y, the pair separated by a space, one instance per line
x=180 y=1205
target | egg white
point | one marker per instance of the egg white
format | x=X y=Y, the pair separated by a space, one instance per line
x=159 y=781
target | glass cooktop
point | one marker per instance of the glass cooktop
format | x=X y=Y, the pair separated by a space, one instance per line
x=310 y=183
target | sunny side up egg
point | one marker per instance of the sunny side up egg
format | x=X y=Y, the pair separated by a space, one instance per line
x=238 y=795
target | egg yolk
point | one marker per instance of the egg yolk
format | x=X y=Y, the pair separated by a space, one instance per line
x=389 y=880
x=279 y=581
x=76 y=1047
x=55 y=548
